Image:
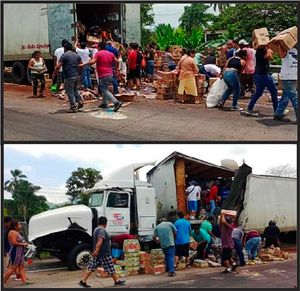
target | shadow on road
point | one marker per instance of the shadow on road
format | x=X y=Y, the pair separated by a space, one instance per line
x=273 y=123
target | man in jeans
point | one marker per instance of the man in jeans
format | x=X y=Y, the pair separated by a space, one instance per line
x=237 y=236
x=262 y=79
x=112 y=49
x=104 y=61
x=288 y=75
x=166 y=232
x=101 y=254
x=71 y=63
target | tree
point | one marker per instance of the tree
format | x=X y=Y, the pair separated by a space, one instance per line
x=26 y=201
x=81 y=180
x=10 y=185
x=241 y=19
x=282 y=171
x=195 y=16
x=164 y=35
x=147 y=20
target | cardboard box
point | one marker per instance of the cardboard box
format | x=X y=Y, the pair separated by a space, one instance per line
x=293 y=31
x=260 y=37
x=229 y=212
x=159 y=269
x=285 y=40
x=212 y=80
x=131 y=245
x=200 y=264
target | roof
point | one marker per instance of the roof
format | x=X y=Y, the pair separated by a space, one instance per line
x=122 y=177
x=196 y=167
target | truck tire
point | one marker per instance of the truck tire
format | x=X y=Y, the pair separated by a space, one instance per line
x=19 y=72
x=28 y=76
x=79 y=257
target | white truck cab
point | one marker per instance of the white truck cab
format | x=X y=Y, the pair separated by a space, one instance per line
x=128 y=203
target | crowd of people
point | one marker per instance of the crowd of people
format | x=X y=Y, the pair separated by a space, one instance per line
x=173 y=238
x=245 y=69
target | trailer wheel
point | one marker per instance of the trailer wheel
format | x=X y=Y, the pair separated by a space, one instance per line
x=19 y=72
x=79 y=257
x=28 y=75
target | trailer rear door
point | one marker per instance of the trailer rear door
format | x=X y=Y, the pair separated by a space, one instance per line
x=146 y=210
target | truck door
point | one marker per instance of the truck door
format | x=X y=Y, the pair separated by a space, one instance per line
x=117 y=212
x=61 y=24
x=146 y=210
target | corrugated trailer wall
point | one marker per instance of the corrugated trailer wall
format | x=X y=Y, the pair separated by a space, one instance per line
x=133 y=23
x=61 y=20
x=270 y=198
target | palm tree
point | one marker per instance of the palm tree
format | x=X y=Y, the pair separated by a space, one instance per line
x=10 y=185
x=24 y=196
x=221 y=6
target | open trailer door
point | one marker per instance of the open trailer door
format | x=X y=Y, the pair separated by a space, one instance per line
x=146 y=210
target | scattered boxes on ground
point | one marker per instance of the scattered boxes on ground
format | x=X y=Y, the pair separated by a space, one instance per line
x=273 y=254
x=200 y=264
x=260 y=37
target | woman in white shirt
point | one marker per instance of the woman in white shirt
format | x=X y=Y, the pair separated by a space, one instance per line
x=38 y=68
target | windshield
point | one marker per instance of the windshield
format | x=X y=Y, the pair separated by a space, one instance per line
x=96 y=199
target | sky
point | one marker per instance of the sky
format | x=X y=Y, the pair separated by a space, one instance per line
x=50 y=165
x=170 y=13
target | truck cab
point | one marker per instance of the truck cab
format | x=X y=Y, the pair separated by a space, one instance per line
x=128 y=203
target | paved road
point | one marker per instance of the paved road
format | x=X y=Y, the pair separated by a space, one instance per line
x=44 y=119
x=271 y=275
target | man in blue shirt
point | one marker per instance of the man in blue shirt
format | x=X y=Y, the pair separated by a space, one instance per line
x=110 y=48
x=166 y=232
x=182 y=241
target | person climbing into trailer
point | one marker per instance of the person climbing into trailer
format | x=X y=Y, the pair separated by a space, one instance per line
x=193 y=196
x=271 y=235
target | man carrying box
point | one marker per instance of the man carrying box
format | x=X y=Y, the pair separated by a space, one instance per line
x=288 y=75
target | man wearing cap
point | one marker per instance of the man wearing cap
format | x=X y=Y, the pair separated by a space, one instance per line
x=246 y=77
x=166 y=232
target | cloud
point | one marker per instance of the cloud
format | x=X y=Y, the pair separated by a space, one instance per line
x=54 y=194
x=238 y=150
x=25 y=169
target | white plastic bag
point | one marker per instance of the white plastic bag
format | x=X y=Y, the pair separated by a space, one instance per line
x=215 y=94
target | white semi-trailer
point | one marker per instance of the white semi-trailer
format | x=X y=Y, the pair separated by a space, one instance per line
x=36 y=26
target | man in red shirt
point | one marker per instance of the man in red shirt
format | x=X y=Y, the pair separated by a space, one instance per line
x=104 y=65
x=134 y=65
x=212 y=196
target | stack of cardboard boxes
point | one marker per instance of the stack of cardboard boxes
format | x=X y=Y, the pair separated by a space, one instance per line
x=222 y=59
x=145 y=263
x=131 y=249
x=157 y=262
x=165 y=85
x=48 y=82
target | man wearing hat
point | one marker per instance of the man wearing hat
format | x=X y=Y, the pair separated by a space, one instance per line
x=246 y=77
